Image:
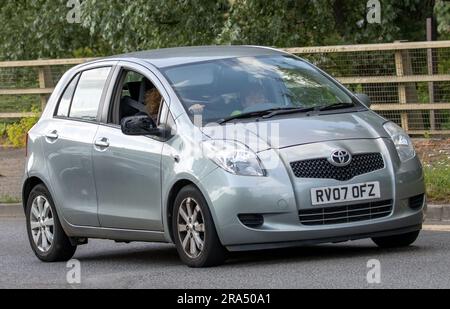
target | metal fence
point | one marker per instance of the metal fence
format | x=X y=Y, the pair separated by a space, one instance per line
x=408 y=83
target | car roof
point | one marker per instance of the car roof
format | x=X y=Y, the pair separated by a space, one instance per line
x=167 y=57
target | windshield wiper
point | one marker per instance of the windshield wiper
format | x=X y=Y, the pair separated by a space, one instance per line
x=269 y=113
x=336 y=106
x=290 y=110
x=246 y=115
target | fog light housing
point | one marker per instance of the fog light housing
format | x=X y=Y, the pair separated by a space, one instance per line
x=416 y=202
x=251 y=220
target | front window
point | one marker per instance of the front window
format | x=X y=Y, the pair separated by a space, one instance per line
x=220 y=89
x=87 y=97
x=137 y=96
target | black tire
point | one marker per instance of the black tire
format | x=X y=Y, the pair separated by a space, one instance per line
x=213 y=253
x=396 y=241
x=61 y=249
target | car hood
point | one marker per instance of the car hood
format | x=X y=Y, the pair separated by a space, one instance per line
x=291 y=131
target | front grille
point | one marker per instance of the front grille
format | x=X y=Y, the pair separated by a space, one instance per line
x=416 y=202
x=321 y=168
x=346 y=214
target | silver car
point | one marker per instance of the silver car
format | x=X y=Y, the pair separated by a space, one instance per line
x=215 y=149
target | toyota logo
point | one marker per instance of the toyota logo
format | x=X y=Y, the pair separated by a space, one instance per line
x=340 y=158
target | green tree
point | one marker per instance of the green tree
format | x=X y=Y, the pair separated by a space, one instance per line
x=298 y=23
x=38 y=29
x=283 y=23
x=34 y=29
x=401 y=20
x=145 y=24
x=442 y=11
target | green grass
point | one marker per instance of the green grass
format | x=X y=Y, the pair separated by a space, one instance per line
x=437 y=178
x=6 y=199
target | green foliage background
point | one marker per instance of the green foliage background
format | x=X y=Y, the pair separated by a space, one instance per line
x=38 y=28
x=33 y=29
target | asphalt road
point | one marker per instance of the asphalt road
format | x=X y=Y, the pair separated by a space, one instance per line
x=105 y=264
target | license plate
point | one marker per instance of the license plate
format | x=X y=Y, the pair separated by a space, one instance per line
x=349 y=193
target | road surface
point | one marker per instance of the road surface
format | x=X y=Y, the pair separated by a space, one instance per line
x=105 y=264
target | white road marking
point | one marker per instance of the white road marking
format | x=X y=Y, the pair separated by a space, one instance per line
x=437 y=228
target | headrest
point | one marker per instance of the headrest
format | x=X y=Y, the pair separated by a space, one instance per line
x=134 y=88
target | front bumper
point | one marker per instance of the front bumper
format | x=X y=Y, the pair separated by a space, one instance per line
x=331 y=239
x=279 y=197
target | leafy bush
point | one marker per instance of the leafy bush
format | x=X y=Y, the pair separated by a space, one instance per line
x=2 y=129
x=17 y=132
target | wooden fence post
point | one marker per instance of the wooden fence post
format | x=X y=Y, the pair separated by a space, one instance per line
x=45 y=81
x=401 y=88
x=431 y=71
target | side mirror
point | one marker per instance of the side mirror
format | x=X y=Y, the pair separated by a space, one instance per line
x=364 y=98
x=139 y=125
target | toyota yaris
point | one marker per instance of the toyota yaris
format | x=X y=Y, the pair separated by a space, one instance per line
x=215 y=149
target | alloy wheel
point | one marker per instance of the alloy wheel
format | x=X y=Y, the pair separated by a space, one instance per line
x=191 y=228
x=42 y=223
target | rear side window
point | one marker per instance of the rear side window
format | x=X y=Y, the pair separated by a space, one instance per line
x=66 y=99
x=88 y=94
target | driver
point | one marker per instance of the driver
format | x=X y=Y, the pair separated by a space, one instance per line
x=250 y=97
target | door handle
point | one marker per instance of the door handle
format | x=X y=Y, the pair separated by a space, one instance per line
x=53 y=135
x=176 y=158
x=102 y=143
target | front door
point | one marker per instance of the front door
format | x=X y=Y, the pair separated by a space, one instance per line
x=128 y=180
x=128 y=168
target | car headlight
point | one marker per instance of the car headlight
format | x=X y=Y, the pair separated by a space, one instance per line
x=401 y=141
x=233 y=157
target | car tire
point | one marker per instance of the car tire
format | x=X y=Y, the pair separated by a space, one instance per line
x=396 y=241
x=47 y=238
x=195 y=234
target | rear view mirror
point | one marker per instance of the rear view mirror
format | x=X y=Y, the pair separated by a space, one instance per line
x=364 y=98
x=139 y=125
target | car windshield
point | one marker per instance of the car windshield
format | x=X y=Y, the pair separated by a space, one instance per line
x=221 y=89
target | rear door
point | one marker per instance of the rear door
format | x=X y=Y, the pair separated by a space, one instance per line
x=69 y=142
